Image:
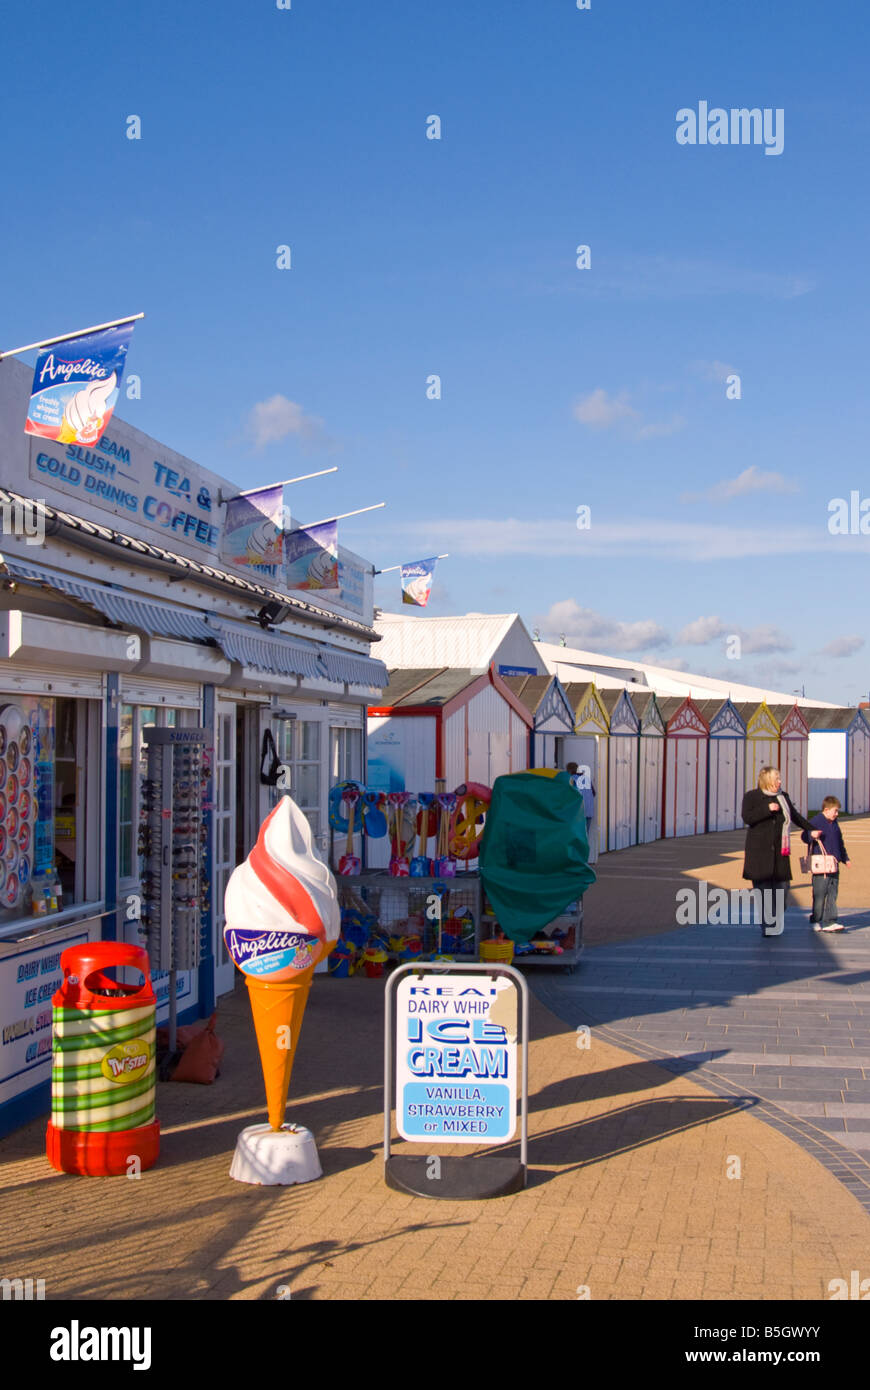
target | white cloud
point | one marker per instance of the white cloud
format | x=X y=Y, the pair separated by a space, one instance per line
x=674 y=277
x=592 y=631
x=773 y=670
x=600 y=411
x=675 y=663
x=701 y=631
x=765 y=638
x=751 y=480
x=714 y=371
x=843 y=646
x=662 y=428
x=647 y=537
x=276 y=418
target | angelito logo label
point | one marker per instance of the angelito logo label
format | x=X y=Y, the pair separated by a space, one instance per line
x=267 y=952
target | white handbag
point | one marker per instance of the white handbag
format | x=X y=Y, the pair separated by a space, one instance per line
x=824 y=864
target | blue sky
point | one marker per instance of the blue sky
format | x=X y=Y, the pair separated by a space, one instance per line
x=456 y=257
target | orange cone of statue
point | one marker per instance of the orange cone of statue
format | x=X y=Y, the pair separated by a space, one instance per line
x=278 y=1011
x=282 y=917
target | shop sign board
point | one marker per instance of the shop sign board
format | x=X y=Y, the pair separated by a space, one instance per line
x=127 y=479
x=28 y=980
x=456 y=1064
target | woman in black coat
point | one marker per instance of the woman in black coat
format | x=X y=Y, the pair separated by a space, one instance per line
x=765 y=861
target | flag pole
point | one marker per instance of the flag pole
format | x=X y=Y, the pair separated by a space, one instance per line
x=390 y=568
x=65 y=337
x=340 y=517
x=285 y=482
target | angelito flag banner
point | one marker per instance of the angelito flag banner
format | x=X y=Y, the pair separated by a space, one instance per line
x=417 y=581
x=76 y=385
x=253 y=531
x=311 y=557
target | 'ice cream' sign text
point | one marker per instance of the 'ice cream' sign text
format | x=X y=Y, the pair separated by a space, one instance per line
x=456 y=1074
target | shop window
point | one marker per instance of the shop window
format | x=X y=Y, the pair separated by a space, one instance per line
x=46 y=744
x=345 y=755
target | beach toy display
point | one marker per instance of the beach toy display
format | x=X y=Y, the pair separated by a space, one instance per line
x=402 y=806
x=282 y=917
x=350 y=863
x=374 y=821
x=374 y=960
x=421 y=864
x=467 y=818
x=445 y=863
x=103 y=1064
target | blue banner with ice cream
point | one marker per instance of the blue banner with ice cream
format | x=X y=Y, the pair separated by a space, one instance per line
x=311 y=557
x=253 y=531
x=417 y=581
x=76 y=384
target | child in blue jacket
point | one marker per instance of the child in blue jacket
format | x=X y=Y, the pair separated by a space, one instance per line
x=824 y=914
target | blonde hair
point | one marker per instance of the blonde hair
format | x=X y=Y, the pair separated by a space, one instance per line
x=766 y=778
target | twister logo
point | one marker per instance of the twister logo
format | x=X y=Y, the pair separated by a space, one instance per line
x=278 y=953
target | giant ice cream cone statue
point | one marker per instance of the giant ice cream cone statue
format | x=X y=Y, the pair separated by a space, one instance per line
x=282 y=917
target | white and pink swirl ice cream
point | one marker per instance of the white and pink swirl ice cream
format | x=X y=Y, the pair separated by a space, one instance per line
x=84 y=412
x=281 y=904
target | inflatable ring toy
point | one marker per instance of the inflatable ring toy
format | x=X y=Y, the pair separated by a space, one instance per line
x=337 y=795
x=466 y=827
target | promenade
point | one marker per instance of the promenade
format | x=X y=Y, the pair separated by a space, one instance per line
x=710 y=1142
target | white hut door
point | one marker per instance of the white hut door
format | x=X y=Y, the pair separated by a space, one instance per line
x=582 y=749
x=723 y=784
x=499 y=756
x=651 y=754
x=857 y=790
x=794 y=771
x=760 y=752
x=618 y=836
x=688 y=789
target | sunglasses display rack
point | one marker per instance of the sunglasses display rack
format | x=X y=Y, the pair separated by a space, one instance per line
x=172 y=841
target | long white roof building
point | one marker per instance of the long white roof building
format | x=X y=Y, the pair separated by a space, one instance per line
x=475 y=640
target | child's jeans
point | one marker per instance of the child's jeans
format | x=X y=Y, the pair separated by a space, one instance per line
x=825 y=898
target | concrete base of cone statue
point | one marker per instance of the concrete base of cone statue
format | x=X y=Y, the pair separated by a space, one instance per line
x=275 y=1157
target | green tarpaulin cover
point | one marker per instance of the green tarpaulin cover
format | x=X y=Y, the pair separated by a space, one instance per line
x=534 y=855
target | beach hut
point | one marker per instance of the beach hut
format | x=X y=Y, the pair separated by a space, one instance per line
x=726 y=754
x=762 y=741
x=794 y=736
x=650 y=765
x=622 y=767
x=838 y=760
x=588 y=748
x=462 y=725
x=545 y=699
x=685 y=781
